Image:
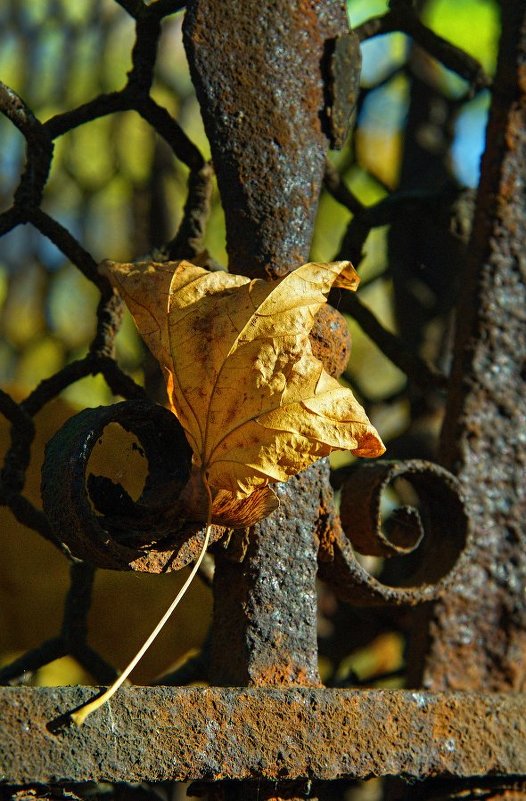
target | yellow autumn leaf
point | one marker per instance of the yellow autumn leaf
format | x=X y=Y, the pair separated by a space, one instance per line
x=256 y=405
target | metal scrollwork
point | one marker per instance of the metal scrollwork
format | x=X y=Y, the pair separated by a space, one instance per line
x=431 y=530
x=96 y=518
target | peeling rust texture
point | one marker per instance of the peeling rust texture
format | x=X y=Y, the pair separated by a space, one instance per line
x=162 y=733
x=258 y=72
x=478 y=631
x=265 y=598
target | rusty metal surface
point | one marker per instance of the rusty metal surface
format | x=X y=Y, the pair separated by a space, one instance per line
x=435 y=531
x=330 y=340
x=258 y=72
x=260 y=75
x=96 y=518
x=264 y=624
x=351 y=582
x=155 y=734
x=478 y=631
x=435 y=502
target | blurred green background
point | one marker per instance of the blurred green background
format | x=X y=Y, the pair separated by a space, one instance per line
x=118 y=188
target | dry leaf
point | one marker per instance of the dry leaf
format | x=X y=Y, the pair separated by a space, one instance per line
x=256 y=405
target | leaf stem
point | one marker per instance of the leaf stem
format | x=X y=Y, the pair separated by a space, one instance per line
x=80 y=715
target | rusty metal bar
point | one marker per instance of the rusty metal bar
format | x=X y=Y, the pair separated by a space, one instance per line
x=478 y=630
x=156 y=734
x=262 y=77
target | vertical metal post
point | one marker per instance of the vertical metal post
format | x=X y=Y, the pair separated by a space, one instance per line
x=259 y=72
x=478 y=631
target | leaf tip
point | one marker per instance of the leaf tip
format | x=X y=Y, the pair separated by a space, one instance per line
x=371 y=446
x=347 y=277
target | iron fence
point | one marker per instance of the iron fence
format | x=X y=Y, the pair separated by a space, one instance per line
x=286 y=736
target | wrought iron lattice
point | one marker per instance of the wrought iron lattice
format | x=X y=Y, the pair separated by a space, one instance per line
x=268 y=640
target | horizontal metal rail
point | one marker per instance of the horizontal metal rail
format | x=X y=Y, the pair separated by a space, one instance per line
x=161 y=733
